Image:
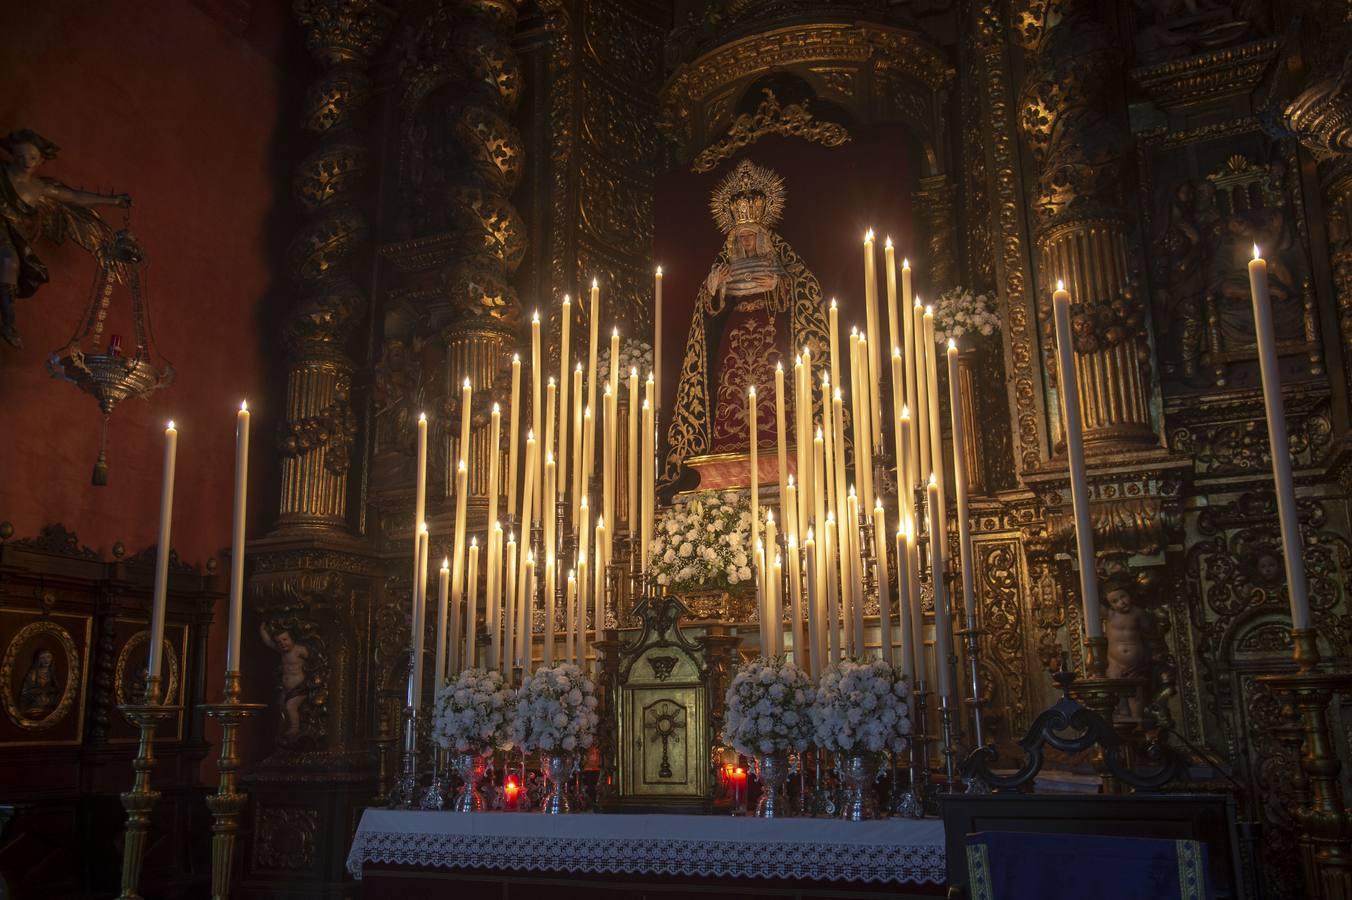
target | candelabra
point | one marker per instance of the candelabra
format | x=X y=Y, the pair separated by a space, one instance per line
x=434 y=797
x=141 y=799
x=405 y=793
x=1326 y=830
x=228 y=802
x=911 y=804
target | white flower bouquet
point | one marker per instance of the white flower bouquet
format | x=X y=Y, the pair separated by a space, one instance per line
x=861 y=707
x=555 y=710
x=769 y=707
x=634 y=354
x=959 y=312
x=473 y=713
x=704 y=543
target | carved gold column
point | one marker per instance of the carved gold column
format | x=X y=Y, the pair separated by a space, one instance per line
x=933 y=205
x=319 y=426
x=1073 y=123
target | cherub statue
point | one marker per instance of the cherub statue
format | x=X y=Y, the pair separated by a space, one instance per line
x=31 y=207
x=294 y=683
x=1129 y=628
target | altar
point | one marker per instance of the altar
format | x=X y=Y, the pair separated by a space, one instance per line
x=410 y=854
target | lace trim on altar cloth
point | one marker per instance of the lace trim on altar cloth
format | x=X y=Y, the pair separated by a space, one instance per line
x=917 y=864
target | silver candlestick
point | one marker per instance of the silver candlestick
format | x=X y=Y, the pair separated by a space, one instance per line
x=911 y=804
x=405 y=793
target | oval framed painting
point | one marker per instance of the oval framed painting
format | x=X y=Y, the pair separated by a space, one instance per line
x=129 y=677
x=40 y=675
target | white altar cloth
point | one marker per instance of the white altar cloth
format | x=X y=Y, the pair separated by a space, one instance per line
x=885 y=851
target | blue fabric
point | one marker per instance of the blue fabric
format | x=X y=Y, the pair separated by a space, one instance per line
x=1012 y=865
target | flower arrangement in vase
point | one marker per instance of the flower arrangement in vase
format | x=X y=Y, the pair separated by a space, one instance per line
x=556 y=715
x=471 y=719
x=768 y=714
x=959 y=314
x=860 y=711
x=704 y=543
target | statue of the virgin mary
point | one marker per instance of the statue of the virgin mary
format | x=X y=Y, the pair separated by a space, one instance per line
x=759 y=307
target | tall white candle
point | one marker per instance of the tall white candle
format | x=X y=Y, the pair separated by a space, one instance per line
x=753 y=437
x=1079 y=484
x=599 y=596
x=884 y=586
x=773 y=618
x=509 y=642
x=1292 y=545
x=920 y=407
x=872 y=361
x=967 y=558
x=813 y=605
x=561 y=454
x=570 y=619
x=649 y=468
x=943 y=621
x=466 y=396
x=472 y=606
x=657 y=332
x=160 y=597
x=443 y=611
x=593 y=322
x=829 y=545
x=631 y=500
x=833 y=335
x=458 y=546
x=494 y=460
x=608 y=474
x=551 y=562
x=537 y=386
x=893 y=333
x=527 y=615
x=916 y=610
x=237 y=547
x=614 y=382
x=908 y=664
x=493 y=595
x=782 y=452
x=513 y=435
x=576 y=487
x=796 y=636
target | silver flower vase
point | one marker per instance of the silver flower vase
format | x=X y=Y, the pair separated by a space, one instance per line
x=858 y=773
x=558 y=768
x=470 y=767
x=773 y=770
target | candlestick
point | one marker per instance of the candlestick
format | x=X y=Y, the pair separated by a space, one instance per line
x=631 y=499
x=236 y=615
x=472 y=605
x=1079 y=485
x=943 y=623
x=1287 y=515
x=513 y=434
x=443 y=611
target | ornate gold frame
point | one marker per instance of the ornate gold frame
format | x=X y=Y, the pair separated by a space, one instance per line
x=73 y=694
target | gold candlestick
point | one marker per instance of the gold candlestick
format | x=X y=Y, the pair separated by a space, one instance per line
x=141 y=799
x=228 y=802
x=1326 y=830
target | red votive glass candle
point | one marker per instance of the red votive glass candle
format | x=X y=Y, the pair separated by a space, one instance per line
x=511 y=790
x=737 y=778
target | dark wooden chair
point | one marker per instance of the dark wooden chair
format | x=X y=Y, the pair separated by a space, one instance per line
x=1207 y=818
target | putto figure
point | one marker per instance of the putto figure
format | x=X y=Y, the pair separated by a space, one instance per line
x=294 y=687
x=33 y=207
x=758 y=307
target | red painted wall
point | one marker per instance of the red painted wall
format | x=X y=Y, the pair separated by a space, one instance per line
x=177 y=104
x=833 y=197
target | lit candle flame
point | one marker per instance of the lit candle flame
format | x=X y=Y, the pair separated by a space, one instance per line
x=929 y=310
x=952 y=344
x=467 y=384
x=888 y=242
x=751 y=391
x=868 y=236
x=809 y=533
x=933 y=481
x=1256 y=254
x=423 y=528
x=615 y=332
x=905 y=263
x=445 y=563
x=790 y=481
x=595 y=284
x=905 y=412
x=516 y=358
x=1060 y=284
x=535 y=318
x=462 y=467
x=474 y=543
x=170 y=426
x=659 y=271
x=496 y=408
x=422 y=417
x=244 y=406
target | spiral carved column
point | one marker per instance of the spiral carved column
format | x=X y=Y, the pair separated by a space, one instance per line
x=1073 y=130
x=316 y=437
